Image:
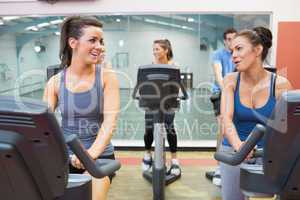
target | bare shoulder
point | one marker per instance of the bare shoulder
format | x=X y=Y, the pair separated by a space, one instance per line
x=174 y=64
x=282 y=85
x=231 y=76
x=107 y=64
x=56 y=77
x=108 y=72
x=54 y=81
x=109 y=75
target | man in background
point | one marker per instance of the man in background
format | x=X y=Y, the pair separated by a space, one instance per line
x=222 y=65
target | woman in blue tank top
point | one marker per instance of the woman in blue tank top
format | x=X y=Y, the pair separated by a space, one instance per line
x=248 y=98
x=86 y=94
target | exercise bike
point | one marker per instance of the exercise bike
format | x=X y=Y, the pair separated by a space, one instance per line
x=279 y=172
x=158 y=87
x=34 y=163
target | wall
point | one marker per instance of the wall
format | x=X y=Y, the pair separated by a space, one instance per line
x=288 y=51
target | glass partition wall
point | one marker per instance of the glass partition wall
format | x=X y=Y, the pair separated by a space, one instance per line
x=29 y=44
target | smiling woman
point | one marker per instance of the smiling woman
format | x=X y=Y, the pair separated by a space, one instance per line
x=80 y=32
x=86 y=95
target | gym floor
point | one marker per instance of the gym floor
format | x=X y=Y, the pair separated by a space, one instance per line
x=129 y=184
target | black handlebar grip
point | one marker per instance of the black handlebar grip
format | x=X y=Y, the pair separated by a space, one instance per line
x=99 y=168
x=238 y=157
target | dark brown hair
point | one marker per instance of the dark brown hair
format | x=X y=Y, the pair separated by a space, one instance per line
x=166 y=45
x=259 y=36
x=228 y=31
x=72 y=27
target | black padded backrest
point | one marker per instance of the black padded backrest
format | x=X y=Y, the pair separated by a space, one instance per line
x=33 y=155
x=282 y=142
x=158 y=87
x=52 y=70
x=271 y=69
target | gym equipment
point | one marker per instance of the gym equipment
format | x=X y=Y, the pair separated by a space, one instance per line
x=34 y=162
x=279 y=171
x=158 y=87
x=52 y=70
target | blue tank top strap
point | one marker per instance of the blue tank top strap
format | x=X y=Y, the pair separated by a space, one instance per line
x=63 y=84
x=271 y=85
x=236 y=91
x=98 y=86
x=62 y=77
x=98 y=79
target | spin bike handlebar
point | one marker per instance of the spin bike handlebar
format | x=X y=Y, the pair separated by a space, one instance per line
x=239 y=156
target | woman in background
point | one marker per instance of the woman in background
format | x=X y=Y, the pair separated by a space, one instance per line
x=163 y=54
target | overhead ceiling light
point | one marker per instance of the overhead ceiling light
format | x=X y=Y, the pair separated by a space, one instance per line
x=168 y=24
x=118 y=20
x=57 y=21
x=121 y=43
x=162 y=23
x=31 y=28
x=150 y=21
x=9 y=18
x=39 y=48
x=190 y=19
x=45 y=24
x=187 y=28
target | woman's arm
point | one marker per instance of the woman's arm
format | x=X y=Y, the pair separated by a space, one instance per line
x=51 y=91
x=218 y=74
x=217 y=67
x=282 y=85
x=227 y=109
x=111 y=111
